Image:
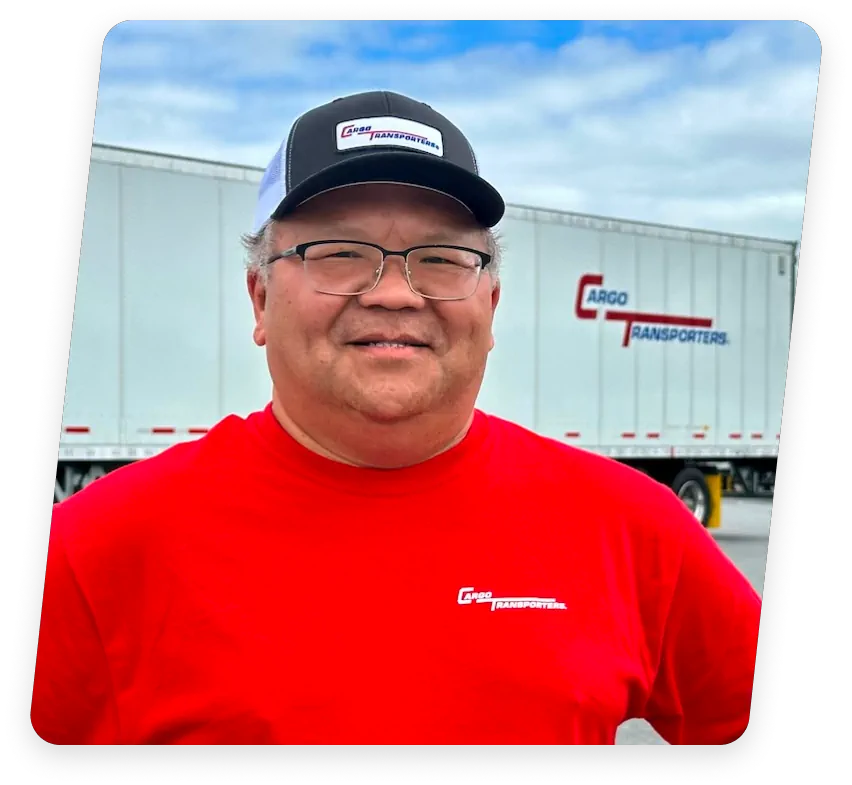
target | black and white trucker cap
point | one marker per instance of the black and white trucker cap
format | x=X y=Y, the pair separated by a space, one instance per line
x=374 y=137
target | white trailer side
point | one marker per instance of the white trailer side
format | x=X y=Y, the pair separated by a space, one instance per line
x=581 y=355
x=161 y=343
x=662 y=347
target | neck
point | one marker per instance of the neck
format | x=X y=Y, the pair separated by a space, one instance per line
x=352 y=439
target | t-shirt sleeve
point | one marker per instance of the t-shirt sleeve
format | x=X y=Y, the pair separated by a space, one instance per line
x=73 y=699
x=703 y=686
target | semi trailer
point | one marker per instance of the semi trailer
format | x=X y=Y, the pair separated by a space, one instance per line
x=661 y=347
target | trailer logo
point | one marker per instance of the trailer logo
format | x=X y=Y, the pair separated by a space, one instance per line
x=637 y=325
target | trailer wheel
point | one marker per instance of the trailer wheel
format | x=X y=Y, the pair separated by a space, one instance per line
x=691 y=488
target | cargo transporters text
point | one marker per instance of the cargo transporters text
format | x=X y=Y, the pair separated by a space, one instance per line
x=664 y=348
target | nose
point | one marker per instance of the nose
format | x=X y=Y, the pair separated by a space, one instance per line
x=392 y=291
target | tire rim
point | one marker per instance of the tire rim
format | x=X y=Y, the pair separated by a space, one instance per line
x=692 y=495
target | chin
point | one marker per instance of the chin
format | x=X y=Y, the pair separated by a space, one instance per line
x=384 y=411
x=388 y=406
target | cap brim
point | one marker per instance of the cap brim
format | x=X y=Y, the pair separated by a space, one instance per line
x=404 y=168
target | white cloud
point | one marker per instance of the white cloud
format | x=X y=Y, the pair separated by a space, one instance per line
x=165 y=97
x=715 y=137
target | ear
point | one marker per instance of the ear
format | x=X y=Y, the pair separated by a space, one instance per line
x=495 y=299
x=257 y=293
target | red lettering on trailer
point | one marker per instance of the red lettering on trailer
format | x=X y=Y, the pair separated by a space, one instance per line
x=77 y=429
x=585 y=282
x=757 y=436
x=628 y=435
x=631 y=317
x=199 y=430
x=735 y=436
x=162 y=430
x=653 y=435
x=698 y=435
x=572 y=435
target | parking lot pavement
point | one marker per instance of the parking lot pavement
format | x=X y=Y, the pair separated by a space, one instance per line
x=744 y=518
x=743 y=536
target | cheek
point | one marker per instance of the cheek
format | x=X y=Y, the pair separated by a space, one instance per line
x=298 y=321
x=468 y=328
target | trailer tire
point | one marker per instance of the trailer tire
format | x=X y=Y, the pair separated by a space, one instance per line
x=691 y=488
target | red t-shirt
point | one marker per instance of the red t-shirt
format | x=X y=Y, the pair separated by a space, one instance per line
x=242 y=590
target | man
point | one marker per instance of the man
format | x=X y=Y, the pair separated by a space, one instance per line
x=371 y=559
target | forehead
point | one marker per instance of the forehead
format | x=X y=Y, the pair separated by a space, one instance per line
x=365 y=211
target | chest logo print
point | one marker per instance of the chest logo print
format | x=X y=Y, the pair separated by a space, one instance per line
x=468 y=596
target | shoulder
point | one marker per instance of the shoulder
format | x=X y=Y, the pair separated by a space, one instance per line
x=616 y=500
x=152 y=489
x=526 y=450
x=618 y=506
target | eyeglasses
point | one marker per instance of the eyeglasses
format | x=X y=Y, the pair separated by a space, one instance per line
x=346 y=268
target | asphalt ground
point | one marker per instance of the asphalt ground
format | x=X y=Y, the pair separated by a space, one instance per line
x=744 y=536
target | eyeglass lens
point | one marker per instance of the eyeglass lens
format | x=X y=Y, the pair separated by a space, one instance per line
x=352 y=268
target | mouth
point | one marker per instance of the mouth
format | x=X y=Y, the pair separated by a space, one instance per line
x=390 y=342
x=390 y=348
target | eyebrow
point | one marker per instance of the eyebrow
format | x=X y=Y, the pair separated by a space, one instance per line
x=351 y=231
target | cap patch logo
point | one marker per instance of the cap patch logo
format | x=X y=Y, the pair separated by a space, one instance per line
x=389 y=132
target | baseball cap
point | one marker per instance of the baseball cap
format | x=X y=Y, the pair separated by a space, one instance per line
x=373 y=137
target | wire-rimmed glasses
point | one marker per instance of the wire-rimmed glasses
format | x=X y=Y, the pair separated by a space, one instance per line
x=349 y=268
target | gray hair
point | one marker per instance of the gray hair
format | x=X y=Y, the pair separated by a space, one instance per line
x=258 y=247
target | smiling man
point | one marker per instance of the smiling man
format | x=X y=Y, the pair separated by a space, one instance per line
x=371 y=559
x=377 y=354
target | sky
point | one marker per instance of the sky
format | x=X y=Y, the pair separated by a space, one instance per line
x=698 y=124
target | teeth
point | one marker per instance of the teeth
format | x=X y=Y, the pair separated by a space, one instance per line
x=387 y=343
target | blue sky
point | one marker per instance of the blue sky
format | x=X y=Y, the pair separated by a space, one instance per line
x=690 y=123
